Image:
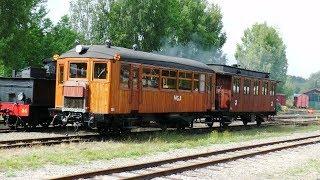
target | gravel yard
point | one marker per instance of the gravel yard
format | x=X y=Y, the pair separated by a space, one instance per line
x=273 y=165
x=31 y=135
x=298 y=163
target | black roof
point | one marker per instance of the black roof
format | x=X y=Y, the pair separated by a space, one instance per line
x=231 y=70
x=130 y=55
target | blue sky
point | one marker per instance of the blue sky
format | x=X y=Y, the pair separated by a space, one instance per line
x=297 y=21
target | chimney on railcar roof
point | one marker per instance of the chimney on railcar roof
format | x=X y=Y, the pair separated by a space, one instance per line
x=108 y=43
x=135 y=47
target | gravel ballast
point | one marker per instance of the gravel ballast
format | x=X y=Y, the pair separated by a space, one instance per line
x=271 y=163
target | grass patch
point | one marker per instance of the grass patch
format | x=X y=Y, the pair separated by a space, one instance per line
x=131 y=147
x=312 y=166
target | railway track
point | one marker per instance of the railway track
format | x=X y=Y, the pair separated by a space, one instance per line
x=47 y=141
x=178 y=165
x=7 y=131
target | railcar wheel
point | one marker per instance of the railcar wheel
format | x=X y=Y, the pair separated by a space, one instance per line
x=163 y=127
x=210 y=124
x=259 y=123
x=245 y=122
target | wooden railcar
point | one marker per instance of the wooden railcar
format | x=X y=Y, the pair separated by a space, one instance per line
x=114 y=87
x=243 y=93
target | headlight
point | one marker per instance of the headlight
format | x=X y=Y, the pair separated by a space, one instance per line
x=21 y=96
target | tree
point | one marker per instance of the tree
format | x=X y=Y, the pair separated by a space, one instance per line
x=139 y=22
x=263 y=49
x=18 y=30
x=313 y=81
x=196 y=32
x=61 y=38
x=27 y=37
x=160 y=26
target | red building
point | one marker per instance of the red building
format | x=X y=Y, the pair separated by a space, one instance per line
x=281 y=99
x=301 y=101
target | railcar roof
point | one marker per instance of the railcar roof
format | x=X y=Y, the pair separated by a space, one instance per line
x=225 y=69
x=130 y=55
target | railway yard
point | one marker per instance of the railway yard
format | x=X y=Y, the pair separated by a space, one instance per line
x=273 y=150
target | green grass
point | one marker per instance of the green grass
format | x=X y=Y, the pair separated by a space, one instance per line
x=131 y=147
x=312 y=166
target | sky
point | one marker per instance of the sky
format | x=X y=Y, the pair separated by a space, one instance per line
x=297 y=22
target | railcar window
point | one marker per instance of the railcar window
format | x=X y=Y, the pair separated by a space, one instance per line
x=169 y=79
x=202 y=82
x=246 y=87
x=100 y=71
x=256 y=88
x=124 y=75
x=236 y=85
x=196 y=85
x=61 y=72
x=272 y=90
x=150 y=78
x=78 y=70
x=185 y=80
x=135 y=77
x=209 y=84
x=265 y=88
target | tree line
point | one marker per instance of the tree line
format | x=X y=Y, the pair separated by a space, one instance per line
x=184 y=28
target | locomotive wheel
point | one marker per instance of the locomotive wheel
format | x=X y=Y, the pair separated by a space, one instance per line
x=11 y=122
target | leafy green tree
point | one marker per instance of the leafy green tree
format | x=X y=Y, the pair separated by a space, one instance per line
x=185 y=28
x=263 y=49
x=313 y=81
x=196 y=32
x=27 y=37
x=139 y=22
x=60 y=38
x=18 y=30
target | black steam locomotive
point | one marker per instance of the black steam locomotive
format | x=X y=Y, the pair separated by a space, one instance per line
x=26 y=96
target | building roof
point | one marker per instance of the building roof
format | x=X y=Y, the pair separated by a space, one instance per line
x=130 y=55
x=311 y=91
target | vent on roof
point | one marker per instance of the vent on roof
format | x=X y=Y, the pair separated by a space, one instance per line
x=81 y=49
x=108 y=43
x=135 y=47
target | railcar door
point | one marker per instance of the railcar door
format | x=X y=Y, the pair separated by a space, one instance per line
x=135 y=88
x=236 y=94
x=223 y=92
x=60 y=79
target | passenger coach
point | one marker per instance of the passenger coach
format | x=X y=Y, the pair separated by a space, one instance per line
x=114 y=87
